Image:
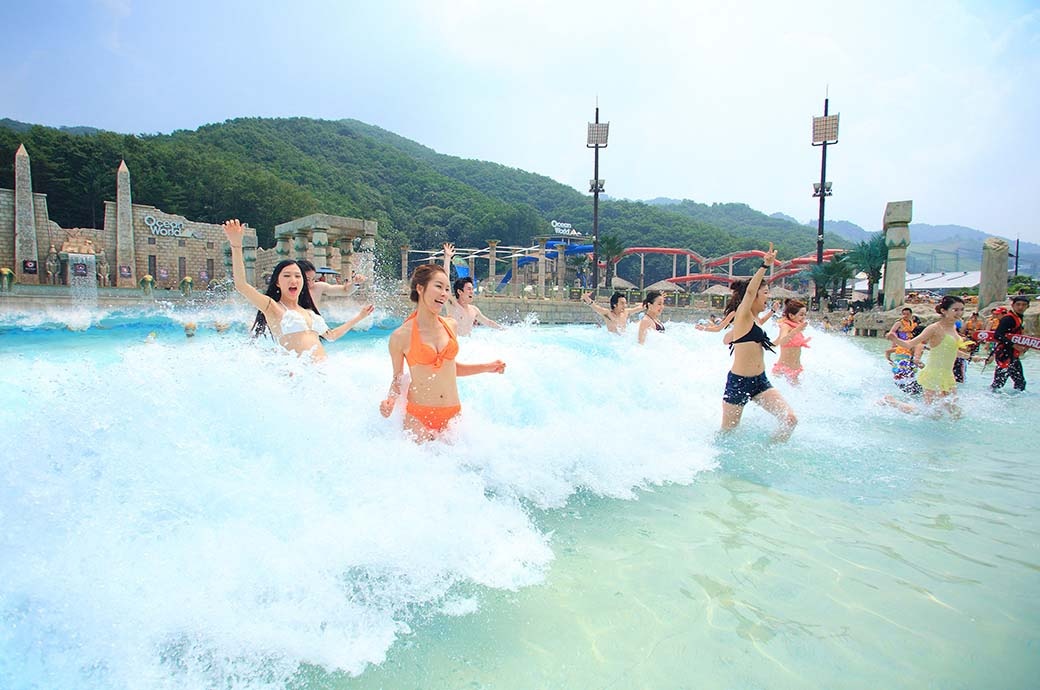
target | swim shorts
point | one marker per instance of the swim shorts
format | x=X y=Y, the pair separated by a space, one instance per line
x=741 y=389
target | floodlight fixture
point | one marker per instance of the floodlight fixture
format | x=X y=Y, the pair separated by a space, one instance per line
x=825 y=130
x=597 y=186
x=598 y=132
x=826 y=187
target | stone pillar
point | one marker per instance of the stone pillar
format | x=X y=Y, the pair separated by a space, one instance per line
x=540 y=292
x=896 y=226
x=642 y=271
x=348 y=264
x=26 y=251
x=320 y=240
x=300 y=241
x=561 y=271
x=366 y=260
x=404 y=265
x=994 y=279
x=516 y=276
x=282 y=247
x=249 y=244
x=470 y=264
x=126 y=255
x=492 y=262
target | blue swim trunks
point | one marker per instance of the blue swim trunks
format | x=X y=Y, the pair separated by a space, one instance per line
x=741 y=389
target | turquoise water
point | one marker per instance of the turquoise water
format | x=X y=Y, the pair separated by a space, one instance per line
x=200 y=512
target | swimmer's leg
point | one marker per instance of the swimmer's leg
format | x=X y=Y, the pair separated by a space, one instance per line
x=731 y=415
x=774 y=403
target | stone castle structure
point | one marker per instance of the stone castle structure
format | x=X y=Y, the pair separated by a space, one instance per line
x=138 y=241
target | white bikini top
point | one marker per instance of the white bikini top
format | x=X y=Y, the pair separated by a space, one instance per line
x=295 y=322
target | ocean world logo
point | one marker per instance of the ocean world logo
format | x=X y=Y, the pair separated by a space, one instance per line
x=168 y=228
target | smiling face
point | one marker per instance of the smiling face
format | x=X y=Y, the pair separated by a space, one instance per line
x=622 y=305
x=656 y=307
x=800 y=315
x=465 y=295
x=290 y=282
x=434 y=292
x=312 y=278
x=954 y=313
x=761 y=298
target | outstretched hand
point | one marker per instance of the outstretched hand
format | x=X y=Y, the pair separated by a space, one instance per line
x=234 y=231
x=449 y=250
x=496 y=367
x=366 y=311
x=770 y=258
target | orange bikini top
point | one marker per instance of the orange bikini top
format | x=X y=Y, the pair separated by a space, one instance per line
x=421 y=353
x=798 y=339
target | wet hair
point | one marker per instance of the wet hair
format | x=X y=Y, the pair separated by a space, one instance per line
x=792 y=307
x=614 y=300
x=306 y=266
x=1020 y=298
x=650 y=297
x=422 y=275
x=275 y=293
x=460 y=285
x=947 y=302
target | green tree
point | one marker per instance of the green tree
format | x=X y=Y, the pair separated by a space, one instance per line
x=870 y=257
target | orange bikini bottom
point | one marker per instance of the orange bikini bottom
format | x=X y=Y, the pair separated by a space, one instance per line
x=433 y=418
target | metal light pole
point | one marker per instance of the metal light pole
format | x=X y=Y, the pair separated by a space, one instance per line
x=825 y=133
x=597 y=140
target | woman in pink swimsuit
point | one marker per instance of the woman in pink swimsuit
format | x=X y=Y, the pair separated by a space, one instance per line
x=791 y=341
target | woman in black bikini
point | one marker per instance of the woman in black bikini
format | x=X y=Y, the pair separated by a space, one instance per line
x=653 y=305
x=747 y=377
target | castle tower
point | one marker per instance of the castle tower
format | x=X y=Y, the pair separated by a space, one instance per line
x=125 y=259
x=26 y=252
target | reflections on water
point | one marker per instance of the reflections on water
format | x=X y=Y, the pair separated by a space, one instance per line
x=202 y=512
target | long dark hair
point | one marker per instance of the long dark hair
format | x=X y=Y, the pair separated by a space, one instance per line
x=650 y=297
x=275 y=293
x=737 y=289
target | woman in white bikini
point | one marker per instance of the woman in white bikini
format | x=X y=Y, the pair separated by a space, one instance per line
x=286 y=309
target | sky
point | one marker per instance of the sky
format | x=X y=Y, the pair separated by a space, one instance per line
x=709 y=101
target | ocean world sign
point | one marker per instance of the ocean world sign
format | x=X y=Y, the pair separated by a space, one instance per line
x=168 y=228
x=565 y=229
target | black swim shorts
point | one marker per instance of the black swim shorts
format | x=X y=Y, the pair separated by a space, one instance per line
x=741 y=389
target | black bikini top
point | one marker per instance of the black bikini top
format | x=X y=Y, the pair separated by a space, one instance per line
x=754 y=335
x=658 y=326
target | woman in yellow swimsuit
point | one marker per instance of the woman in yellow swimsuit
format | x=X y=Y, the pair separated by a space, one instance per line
x=427 y=341
x=936 y=379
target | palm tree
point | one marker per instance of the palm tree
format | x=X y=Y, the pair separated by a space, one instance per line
x=870 y=257
x=610 y=248
x=832 y=277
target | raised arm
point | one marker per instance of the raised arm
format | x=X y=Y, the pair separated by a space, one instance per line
x=743 y=313
x=633 y=310
x=787 y=332
x=766 y=315
x=339 y=331
x=449 y=252
x=234 y=231
x=587 y=299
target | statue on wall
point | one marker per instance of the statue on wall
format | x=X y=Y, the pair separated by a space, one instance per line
x=103 y=275
x=77 y=242
x=53 y=266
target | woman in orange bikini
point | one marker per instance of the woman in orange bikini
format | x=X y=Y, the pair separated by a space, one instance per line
x=427 y=341
x=791 y=341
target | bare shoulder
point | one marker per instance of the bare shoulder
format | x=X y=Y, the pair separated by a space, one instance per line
x=452 y=323
x=399 y=338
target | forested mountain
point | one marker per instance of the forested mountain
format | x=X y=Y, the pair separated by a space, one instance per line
x=267 y=171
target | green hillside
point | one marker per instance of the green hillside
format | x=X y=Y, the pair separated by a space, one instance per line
x=267 y=171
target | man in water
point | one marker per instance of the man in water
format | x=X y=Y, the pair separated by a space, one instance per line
x=460 y=301
x=1007 y=354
